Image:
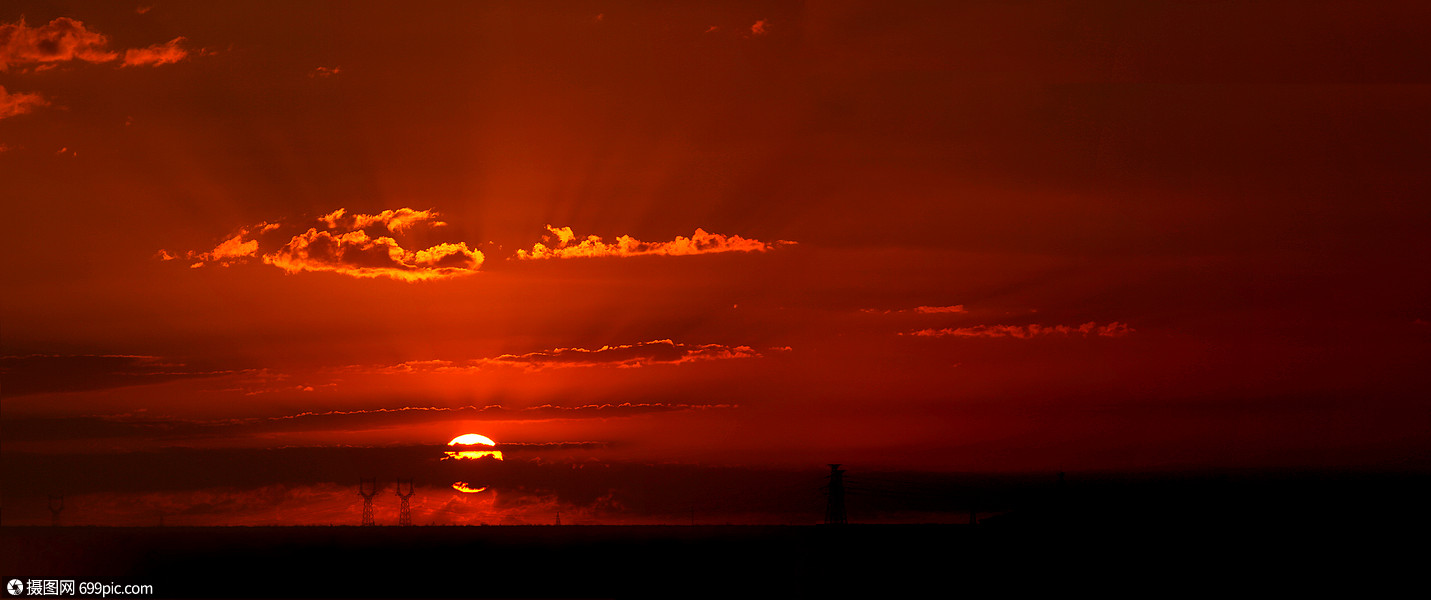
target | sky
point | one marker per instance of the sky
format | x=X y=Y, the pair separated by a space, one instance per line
x=659 y=250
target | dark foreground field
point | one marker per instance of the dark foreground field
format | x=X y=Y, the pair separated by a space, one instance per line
x=679 y=562
x=1354 y=536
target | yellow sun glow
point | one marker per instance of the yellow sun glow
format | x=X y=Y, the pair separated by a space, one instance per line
x=471 y=438
x=463 y=486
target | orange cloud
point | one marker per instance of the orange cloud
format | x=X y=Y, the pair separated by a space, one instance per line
x=396 y=221
x=158 y=54
x=926 y=310
x=1023 y=332
x=350 y=250
x=626 y=356
x=324 y=72
x=63 y=39
x=957 y=308
x=657 y=352
x=701 y=242
x=760 y=27
x=19 y=103
x=230 y=251
x=357 y=255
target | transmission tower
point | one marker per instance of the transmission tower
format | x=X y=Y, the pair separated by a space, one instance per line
x=835 y=509
x=368 y=487
x=57 y=504
x=404 y=513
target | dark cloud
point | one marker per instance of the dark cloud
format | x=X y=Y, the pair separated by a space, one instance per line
x=229 y=485
x=1023 y=332
x=168 y=429
x=923 y=310
x=39 y=374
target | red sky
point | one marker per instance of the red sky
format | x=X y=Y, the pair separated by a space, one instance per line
x=950 y=237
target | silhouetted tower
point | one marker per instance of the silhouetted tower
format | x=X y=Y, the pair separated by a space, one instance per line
x=368 y=487
x=57 y=504
x=404 y=513
x=835 y=509
x=558 y=517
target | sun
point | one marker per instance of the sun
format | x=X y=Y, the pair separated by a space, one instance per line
x=468 y=439
x=472 y=439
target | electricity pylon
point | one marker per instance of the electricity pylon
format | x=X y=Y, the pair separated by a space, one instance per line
x=835 y=508
x=57 y=504
x=405 y=512
x=368 y=487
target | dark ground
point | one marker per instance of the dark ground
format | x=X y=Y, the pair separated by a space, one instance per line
x=1352 y=535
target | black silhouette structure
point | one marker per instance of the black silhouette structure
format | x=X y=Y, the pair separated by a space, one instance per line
x=57 y=504
x=368 y=488
x=835 y=508
x=405 y=512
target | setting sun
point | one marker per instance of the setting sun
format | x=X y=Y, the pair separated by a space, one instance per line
x=471 y=438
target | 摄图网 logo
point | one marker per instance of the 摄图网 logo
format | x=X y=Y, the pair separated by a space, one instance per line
x=15 y=587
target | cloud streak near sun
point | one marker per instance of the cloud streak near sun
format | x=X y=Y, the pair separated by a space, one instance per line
x=375 y=246
x=353 y=252
x=626 y=355
x=640 y=354
x=353 y=244
x=565 y=245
